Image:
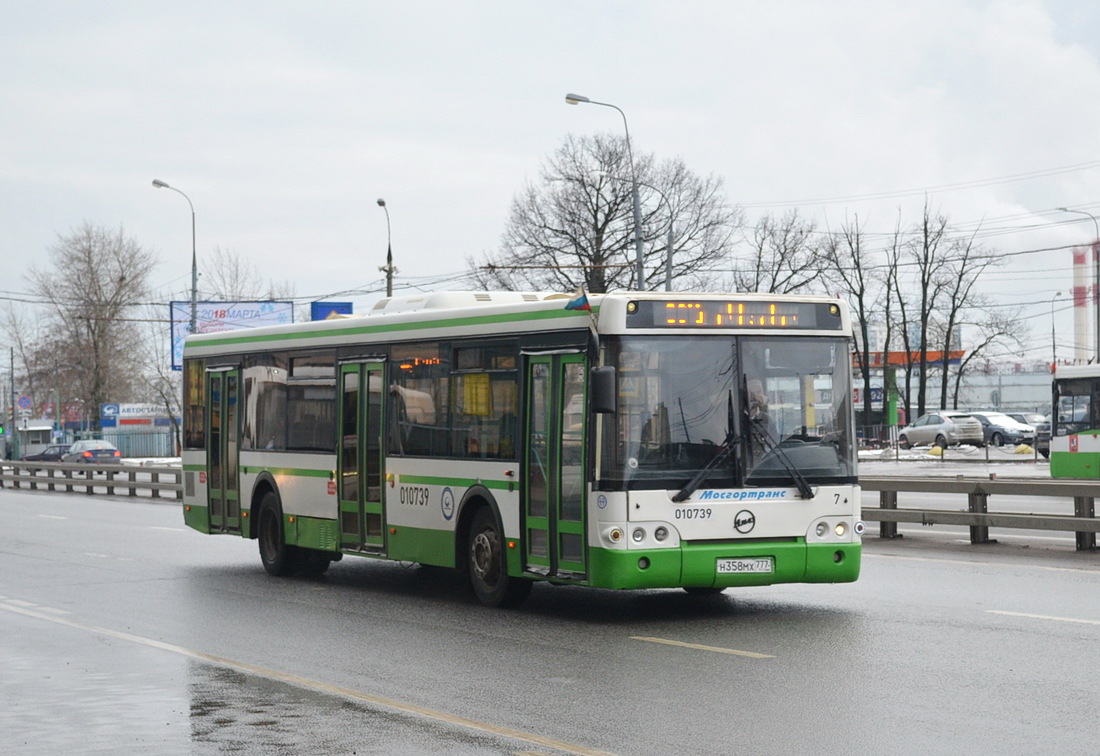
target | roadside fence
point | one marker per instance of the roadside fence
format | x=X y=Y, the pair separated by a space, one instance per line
x=155 y=482
x=977 y=516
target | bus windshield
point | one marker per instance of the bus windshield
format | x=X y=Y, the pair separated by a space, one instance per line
x=1075 y=406
x=752 y=410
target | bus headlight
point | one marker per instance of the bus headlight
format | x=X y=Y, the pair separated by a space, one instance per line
x=638 y=535
x=661 y=533
x=615 y=535
x=822 y=529
x=840 y=529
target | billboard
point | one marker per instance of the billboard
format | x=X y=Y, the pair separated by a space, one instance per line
x=121 y=415
x=326 y=310
x=215 y=317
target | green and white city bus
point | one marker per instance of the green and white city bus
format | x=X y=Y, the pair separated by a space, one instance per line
x=655 y=440
x=1075 y=422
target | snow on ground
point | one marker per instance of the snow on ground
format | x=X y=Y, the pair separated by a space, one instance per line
x=970 y=461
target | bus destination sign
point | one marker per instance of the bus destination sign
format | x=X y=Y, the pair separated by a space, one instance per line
x=734 y=314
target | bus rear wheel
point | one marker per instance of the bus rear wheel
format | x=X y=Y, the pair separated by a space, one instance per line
x=279 y=558
x=486 y=564
x=276 y=555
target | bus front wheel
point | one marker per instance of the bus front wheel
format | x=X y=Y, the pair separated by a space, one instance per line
x=485 y=559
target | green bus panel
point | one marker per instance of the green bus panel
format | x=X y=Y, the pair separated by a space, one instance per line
x=435 y=547
x=823 y=567
x=197 y=517
x=312 y=532
x=1080 y=465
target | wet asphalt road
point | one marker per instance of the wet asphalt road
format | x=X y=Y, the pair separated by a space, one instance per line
x=124 y=632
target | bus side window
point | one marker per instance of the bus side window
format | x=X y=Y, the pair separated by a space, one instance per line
x=508 y=426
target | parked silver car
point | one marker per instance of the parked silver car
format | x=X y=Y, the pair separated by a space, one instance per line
x=942 y=428
x=1027 y=418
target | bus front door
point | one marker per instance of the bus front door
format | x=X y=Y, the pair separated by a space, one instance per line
x=223 y=441
x=360 y=474
x=554 y=477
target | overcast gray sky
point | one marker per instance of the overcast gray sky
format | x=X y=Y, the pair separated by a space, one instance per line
x=284 y=122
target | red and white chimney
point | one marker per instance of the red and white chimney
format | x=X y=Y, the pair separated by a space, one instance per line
x=1081 y=309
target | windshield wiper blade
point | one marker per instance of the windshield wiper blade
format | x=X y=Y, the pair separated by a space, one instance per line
x=800 y=482
x=719 y=456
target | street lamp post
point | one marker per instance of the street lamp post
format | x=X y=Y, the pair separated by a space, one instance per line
x=668 y=246
x=671 y=226
x=157 y=183
x=639 y=273
x=388 y=268
x=1096 y=270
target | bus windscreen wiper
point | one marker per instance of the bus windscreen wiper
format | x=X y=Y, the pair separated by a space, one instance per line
x=800 y=482
x=720 y=455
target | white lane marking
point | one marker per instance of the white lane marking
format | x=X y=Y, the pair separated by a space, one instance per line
x=1047 y=617
x=305 y=682
x=52 y=517
x=700 y=647
x=171 y=530
x=975 y=563
x=17 y=602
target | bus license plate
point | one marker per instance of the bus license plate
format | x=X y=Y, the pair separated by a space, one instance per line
x=751 y=564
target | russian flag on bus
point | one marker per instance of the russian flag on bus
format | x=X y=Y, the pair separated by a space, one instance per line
x=579 y=301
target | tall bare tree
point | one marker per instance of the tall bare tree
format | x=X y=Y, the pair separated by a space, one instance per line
x=227 y=276
x=25 y=336
x=784 y=256
x=575 y=225
x=849 y=265
x=929 y=254
x=898 y=316
x=996 y=327
x=159 y=384
x=94 y=279
x=966 y=263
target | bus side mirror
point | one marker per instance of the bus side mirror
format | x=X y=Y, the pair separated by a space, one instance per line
x=602 y=387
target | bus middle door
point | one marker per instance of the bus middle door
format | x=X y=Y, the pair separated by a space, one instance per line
x=360 y=463
x=554 y=466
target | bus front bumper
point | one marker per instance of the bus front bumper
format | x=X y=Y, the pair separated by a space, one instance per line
x=697 y=565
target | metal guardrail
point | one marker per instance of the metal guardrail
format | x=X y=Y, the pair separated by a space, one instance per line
x=109 y=479
x=977 y=516
x=93 y=478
